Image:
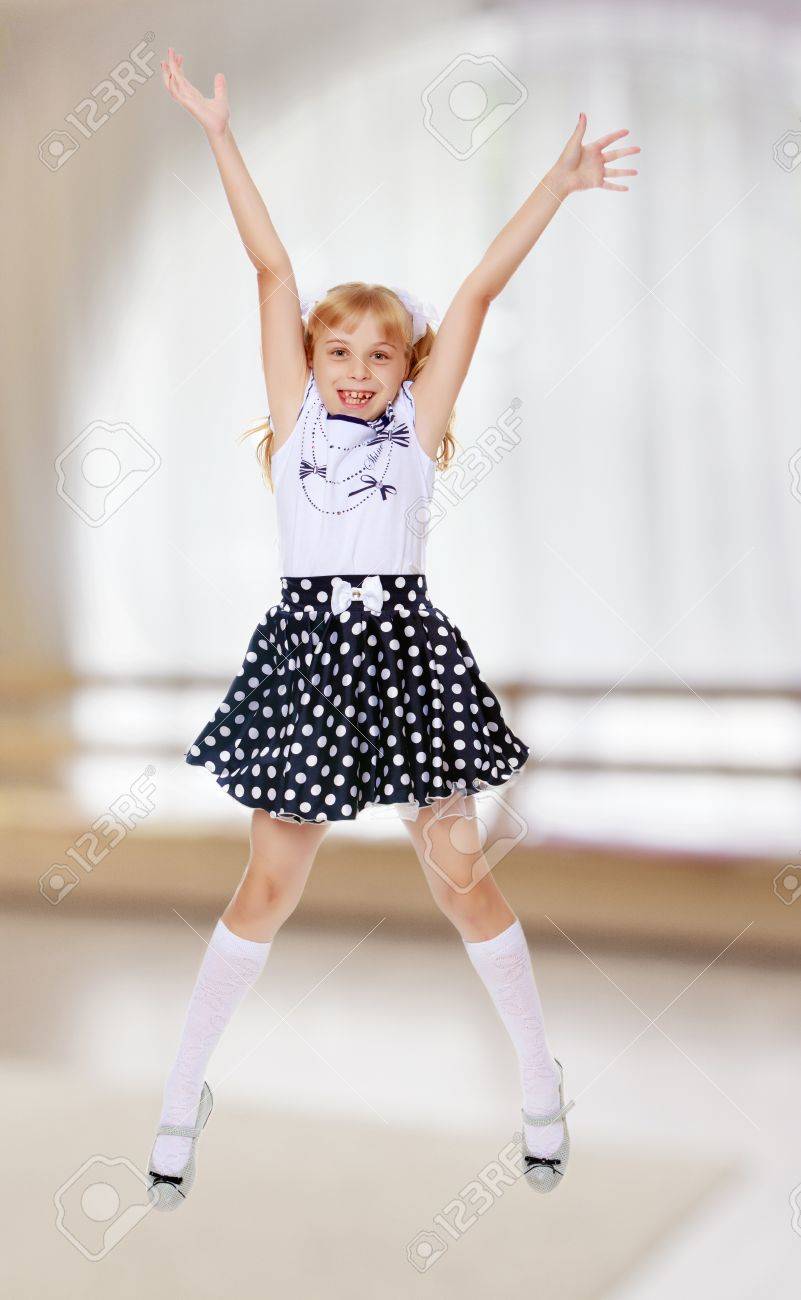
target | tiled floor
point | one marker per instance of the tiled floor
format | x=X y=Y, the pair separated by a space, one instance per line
x=385 y=1099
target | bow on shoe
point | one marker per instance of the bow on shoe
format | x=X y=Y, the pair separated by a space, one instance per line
x=371 y=593
x=550 y=1161
x=165 y=1178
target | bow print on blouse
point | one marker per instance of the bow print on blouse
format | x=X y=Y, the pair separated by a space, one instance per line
x=398 y=437
x=371 y=593
x=306 y=468
x=385 y=420
x=386 y=489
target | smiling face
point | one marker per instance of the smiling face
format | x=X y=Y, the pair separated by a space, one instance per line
x=357 y=371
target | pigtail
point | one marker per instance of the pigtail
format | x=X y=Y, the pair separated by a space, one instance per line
x=264 y=448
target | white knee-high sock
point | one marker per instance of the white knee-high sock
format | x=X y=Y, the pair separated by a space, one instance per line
x=229 y=967
x=504 y=965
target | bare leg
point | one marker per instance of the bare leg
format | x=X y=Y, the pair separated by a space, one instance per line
x=281 y=857
x=465 y=890
x=463 y=887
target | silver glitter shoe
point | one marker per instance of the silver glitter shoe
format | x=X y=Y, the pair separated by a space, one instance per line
x=168 y=1191
x=544 y=1173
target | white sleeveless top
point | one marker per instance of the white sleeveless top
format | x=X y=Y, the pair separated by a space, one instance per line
x=352 y=495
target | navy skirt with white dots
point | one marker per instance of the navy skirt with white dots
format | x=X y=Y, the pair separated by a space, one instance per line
x=333 y=713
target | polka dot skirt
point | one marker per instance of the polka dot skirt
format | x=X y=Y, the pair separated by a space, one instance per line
x=333 y=713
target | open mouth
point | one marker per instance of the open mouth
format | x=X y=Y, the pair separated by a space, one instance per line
x=354 y=397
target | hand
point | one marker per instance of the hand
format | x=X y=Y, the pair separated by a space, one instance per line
x=212 y=114
x=585 y=166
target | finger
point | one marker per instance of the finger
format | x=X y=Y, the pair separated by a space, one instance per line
x=175 y=66
x=166 y=77
x=607 y=185
x=604 y=140
x=174 y=87
x=169 y=79
x=620 y=171
x=172 y=65
x=220 y=87
x=179 y=80
x=620 y=153
x=581 y=127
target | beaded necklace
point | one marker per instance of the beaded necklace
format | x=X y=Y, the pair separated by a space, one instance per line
x=316 y=448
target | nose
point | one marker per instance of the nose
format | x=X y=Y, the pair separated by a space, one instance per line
x=358 y=369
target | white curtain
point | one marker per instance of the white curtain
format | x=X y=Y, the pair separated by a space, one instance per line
x=648 y=501
x=655 y=439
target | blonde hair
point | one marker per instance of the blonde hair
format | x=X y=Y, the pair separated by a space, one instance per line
x=345 y=304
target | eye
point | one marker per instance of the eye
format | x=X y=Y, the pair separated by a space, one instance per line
x=381 y=354
x=334 y=351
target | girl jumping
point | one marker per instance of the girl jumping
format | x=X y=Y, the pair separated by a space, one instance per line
x=355 y=689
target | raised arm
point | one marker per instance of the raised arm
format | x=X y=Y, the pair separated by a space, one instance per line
x=579 y=167
x=283 y=355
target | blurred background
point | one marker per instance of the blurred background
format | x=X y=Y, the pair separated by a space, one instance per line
x=618 y=541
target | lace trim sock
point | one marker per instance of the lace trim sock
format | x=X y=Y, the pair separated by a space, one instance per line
x=504 y=965
x=230 y=966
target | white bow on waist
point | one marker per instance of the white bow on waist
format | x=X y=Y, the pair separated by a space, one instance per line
x=371 y=593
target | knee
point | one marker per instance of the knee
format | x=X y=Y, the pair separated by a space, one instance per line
x=465 y=909
x=263 y=894
x=266 y=891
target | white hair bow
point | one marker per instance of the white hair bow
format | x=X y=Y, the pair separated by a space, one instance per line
x=422 y=313
x=371 y=593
